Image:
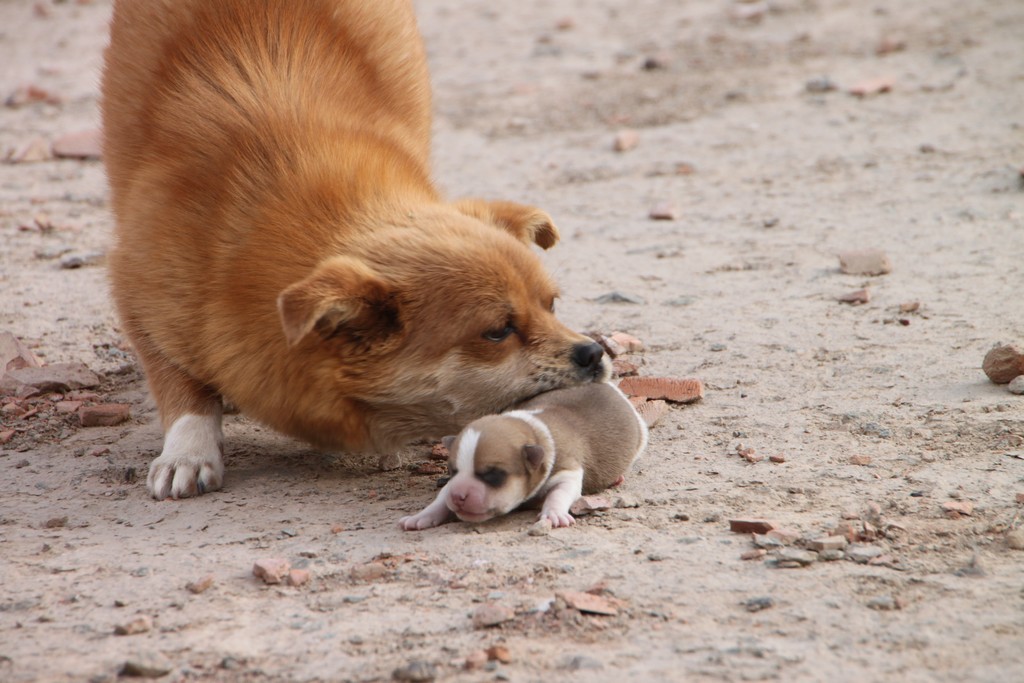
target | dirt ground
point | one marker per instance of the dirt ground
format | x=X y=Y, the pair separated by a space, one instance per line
x=882 y=416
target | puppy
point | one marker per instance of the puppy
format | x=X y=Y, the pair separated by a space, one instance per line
x=279 y=242
x=552 y=448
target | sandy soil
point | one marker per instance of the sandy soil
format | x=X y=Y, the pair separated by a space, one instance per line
x=771 y=181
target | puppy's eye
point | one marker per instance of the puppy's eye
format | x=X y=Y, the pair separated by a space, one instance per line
x=452 y=471
x=493 y=476
x=499 y=334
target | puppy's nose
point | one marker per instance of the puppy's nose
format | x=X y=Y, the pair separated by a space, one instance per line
x=587 y=355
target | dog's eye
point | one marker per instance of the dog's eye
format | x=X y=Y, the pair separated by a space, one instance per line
x=499 y=334
x=452 y=471
x=493 y=476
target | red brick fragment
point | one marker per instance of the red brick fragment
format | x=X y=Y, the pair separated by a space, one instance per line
x=752 y=526
x=589 y=603
x=271 y=570
x=651 y=412
x=103 y=415
x=668 y=388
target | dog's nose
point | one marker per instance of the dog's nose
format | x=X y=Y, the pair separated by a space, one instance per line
x=587 y=355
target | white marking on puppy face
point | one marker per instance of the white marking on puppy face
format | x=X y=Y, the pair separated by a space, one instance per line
x=467 y=450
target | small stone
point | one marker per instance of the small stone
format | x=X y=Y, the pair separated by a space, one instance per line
x=792 y=557
x=624 y=368
x=586 y=505
x=297 y=577
x=1015 y=539
x=31 y=94
x=766 y=541
x=153 y=665
x=589 y=603
x=831 y=555
x=389 y=461
x=67 y=407
x=57 y=522
x=752 y=526
x=862 y=554
x=499 y=653
x=860 y=459
x=542 y=527
x=85 y=144
x=491 y=614
x=910 y=307
x=758 y=604
x=104 y=414
x=200 y=586
x=141 y=624
x=667 y=388
x=581 y=663
x=430 y=469
x=438 y=451
x=417 y=671
x=821 y=84
x=1019 y=498
x=865 y=262
x=475 y=660
x=827 y=543
x=626 y=140
x=884 y=603
x=664 y=211
x=955 y=509
x=778 y=458
x=6 y=435
x=630 y=343
x=371 y=571
x=651 y=411
x=872 y=86
x=1016 y=385
x=1003 y=363
x=272 y=570
x=856 y=297
x=32 y=150
x=784 y=536
x=14 y=355
x=618 y=298
x=54 y=378
x=755 y=554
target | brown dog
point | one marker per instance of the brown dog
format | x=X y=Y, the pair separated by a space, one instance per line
x=280 y=243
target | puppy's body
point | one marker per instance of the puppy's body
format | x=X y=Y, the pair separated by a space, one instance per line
x=554 y=448
x=280 y=243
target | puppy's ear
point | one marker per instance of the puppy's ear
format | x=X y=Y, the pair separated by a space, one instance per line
x=525 y=223
x=534 y=455
x=448 y=441
x=341 y=292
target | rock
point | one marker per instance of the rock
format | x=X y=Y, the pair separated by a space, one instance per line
x=389 y=461
x=831 y=555
x=795 y=557
x=860 y=459
x=1016 y=385
x=1003 y=363
x=1015 y=539
x=664 y=211
x=542 y=527
x=56 y=522
x=652 y=411
x=55 y=378
x=862 y=554
x=81 y=260
x=85 y=144
x=872 y=86
x=32 y=150
x=200 y=586
x=758 y=604
x=589 y=603
x=499 y=653
x=297 y=577
x=765 y=541
x=492 y=614
x=618 y=298
x=865 y=262
x=778 y=458
x=586 y=505
x=955 y=509
x=752 y=526
x=784 y=536
x=884 y=603
x=581 y=663
x=820 y=84
x=31 y=94
x=628 y=341
x=104 y=414
x=755 y=554
x=153 y=665
x=667 y=388
x=626 y=140
x=430 y=468
x=856 y=297
x=371 y=571
x=14 y=355
x=6 y=435
x=613 y=348
x=271 y=570
x=438 y=452
x=417 y=671
x=827 y=543
x=624 y=368
x=67 y=407
x=475 y=660
x=141 y=624
x=910 y=306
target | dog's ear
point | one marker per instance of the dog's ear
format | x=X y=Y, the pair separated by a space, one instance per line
x=534 y=455
x=448 y=442
x=525 y=223
x=341 y=292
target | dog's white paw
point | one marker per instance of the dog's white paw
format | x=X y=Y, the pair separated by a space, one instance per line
x=557 y=518
x=191 y=463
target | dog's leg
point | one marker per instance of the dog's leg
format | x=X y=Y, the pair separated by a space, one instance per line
x=565 y=488
x=191 y=462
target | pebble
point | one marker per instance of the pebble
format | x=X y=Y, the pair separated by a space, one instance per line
x=820 y=84
x=872 y=86
x=416 y=671
x=1015 y=539
x=271 y=570
x=630 y=343
x=784 y=536
x=200 y=586
x=31 y=94
x=32 y=150
x=542 y=527
x=371 y=571
x=298 y=577
x=795 y=557
x=104 y=414
x=752 y=526
x=54 y=378
x=1016 y=385
x=618 y=298
x=141 y=624
x=475 y=660
x=1003 y=363
x=499 y=653
x=856 y=297
x=862 y=554
x=758 y=604
x=438 y=451
x=14 y=355
x=667 y=388
x=580 y=663
x=664 y=211
x=755 y=554
x=955 y=509
x=152 y=665
x=586 y=505
x=589 y=603
x=831 y=555
x=491 y=614
x=885 y=603
x=652 y=411
x=778 y=458
x=865 y=262
x=626 y=140
x=84 y=144
x=862 y=460
x=827 y=543
x=624 y=368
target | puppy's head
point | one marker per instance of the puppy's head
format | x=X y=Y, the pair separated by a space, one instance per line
x=494 y=465
x=433 y=321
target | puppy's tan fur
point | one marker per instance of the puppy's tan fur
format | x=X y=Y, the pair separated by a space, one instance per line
x=280 y=243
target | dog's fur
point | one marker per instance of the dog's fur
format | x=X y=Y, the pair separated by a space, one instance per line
x=280 y=243
x=551 y=449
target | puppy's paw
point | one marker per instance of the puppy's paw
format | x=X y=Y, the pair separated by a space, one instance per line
x=557 y=518
x=421 y=520
x=191 y=462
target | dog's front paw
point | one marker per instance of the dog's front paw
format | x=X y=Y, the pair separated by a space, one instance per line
x=557 y=518
x=421 y=520
x=191 y=462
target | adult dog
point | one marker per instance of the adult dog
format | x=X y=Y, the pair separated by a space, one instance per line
x=280 y=244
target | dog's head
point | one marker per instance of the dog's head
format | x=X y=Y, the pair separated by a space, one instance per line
x=437 y=319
